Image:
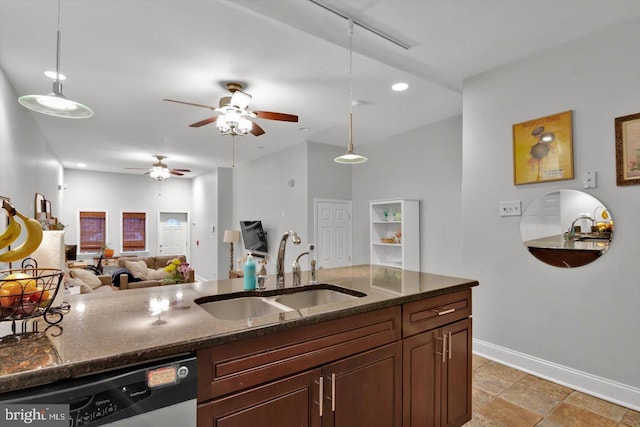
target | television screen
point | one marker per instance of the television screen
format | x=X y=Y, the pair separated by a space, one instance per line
x=254 y=237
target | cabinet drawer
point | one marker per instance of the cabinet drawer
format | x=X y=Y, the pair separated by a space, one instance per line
x=423 y=315
x=235 y=366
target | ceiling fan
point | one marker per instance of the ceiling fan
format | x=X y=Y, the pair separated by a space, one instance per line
x=160 y=171
x=233 y=116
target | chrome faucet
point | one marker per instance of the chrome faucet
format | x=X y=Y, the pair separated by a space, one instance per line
x=295 y=239
x=572 y=229
x=296 y=270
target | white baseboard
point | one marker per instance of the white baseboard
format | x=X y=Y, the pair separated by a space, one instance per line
x=612 y=391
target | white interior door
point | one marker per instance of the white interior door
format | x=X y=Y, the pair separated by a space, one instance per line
x=333 y=233
x=173 y=233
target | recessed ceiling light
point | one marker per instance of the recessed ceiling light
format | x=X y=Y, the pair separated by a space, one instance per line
x=81 y=165
x=52 y=75
x=399 y=87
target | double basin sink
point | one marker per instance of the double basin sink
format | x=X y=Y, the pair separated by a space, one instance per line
x=251 y=304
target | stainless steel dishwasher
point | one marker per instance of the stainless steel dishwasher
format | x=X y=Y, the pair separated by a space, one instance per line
x=157 y=394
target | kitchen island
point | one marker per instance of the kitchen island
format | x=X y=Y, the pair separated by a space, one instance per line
x=104 y=332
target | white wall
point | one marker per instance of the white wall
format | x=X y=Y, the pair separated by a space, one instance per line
x=580 y=325
x=27 y=163
x=327 y=179
x=423 y=164
x=118 y=192
x=212 y=207
x=261 y=192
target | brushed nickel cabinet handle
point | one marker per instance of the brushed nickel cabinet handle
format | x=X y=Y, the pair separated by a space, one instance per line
x=444 y=347
x=449 y=345
x=321 y=393
x=441 y=311
x=333 y=392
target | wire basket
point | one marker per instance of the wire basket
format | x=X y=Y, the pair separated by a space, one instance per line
x=28 y=292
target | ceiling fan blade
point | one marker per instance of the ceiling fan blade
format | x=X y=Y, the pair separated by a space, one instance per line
x=181 y=170
x=190 y=103
x=137 y=168
x=255 y=129
x=270 y=115
x=173 y=172
x=204 y=122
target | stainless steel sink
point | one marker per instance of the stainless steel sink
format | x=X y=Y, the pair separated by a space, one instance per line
x=241 y=308
x=251 y=304
x=313 y=297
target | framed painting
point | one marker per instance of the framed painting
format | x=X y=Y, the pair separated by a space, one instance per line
x=543 y=149
x=628 y=149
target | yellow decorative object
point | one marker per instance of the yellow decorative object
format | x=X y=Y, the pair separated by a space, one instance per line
x=33 y=240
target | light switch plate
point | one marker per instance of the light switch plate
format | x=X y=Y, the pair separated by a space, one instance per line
x=511 y=208
x=589 y=179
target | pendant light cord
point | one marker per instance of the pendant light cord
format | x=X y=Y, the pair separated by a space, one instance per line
x=350 y=32
x=58 y=47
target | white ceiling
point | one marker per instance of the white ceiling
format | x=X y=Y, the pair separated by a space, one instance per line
x=122 y=57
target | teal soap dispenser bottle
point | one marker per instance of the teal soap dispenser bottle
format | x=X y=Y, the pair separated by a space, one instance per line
x=249 y=274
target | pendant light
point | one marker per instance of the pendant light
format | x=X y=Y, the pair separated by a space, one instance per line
x=350 y=157
x=55 y=103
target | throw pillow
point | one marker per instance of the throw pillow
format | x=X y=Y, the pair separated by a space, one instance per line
x=158 y=274
x=84 y=288
x=87 y=277
x=139 y=269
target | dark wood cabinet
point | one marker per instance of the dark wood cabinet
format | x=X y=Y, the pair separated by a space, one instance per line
x=365 y=390
x=293 y=401
x=406 y=365
x=455 y=407
x=360 y=390
x=437 y=364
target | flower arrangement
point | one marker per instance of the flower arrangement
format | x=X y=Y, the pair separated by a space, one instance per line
x=177 y=272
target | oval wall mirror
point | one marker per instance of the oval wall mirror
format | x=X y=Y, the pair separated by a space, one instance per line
x=566 y=228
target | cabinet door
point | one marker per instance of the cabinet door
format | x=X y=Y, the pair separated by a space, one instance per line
x=421 y=372
x=291 y=402
x=365 y=390
x=456 y=374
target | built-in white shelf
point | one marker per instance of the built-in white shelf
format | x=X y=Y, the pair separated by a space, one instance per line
x=396 y=219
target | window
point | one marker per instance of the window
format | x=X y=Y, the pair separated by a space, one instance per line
x=134 y=231
x=93 y=231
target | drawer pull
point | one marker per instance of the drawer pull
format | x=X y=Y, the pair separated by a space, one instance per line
x=442 y=311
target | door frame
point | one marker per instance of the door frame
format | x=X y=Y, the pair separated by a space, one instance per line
x=159 y=231
x=349 y=202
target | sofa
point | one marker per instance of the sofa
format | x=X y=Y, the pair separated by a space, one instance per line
x=86 y=282
x=135 y=275
x=132 y=273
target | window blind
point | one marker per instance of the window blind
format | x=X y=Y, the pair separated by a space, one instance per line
x=134 y=227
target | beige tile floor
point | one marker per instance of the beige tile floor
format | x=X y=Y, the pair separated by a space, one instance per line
x=506 y=397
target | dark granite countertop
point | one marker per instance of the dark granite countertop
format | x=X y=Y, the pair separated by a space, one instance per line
x=560 y=243
x=106 y=331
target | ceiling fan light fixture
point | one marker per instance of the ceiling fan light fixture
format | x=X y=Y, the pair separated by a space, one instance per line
x=240 y=99
x=56 y=104
x=159 y=173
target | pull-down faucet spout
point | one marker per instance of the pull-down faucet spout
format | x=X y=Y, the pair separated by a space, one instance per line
x=295 y=239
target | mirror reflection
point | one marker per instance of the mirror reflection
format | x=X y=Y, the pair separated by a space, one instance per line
x=566 y=228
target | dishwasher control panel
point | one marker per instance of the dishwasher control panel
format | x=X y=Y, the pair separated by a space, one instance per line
x=104 y=398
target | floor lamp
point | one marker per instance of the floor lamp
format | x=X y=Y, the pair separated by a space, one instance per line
x=231 y=237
